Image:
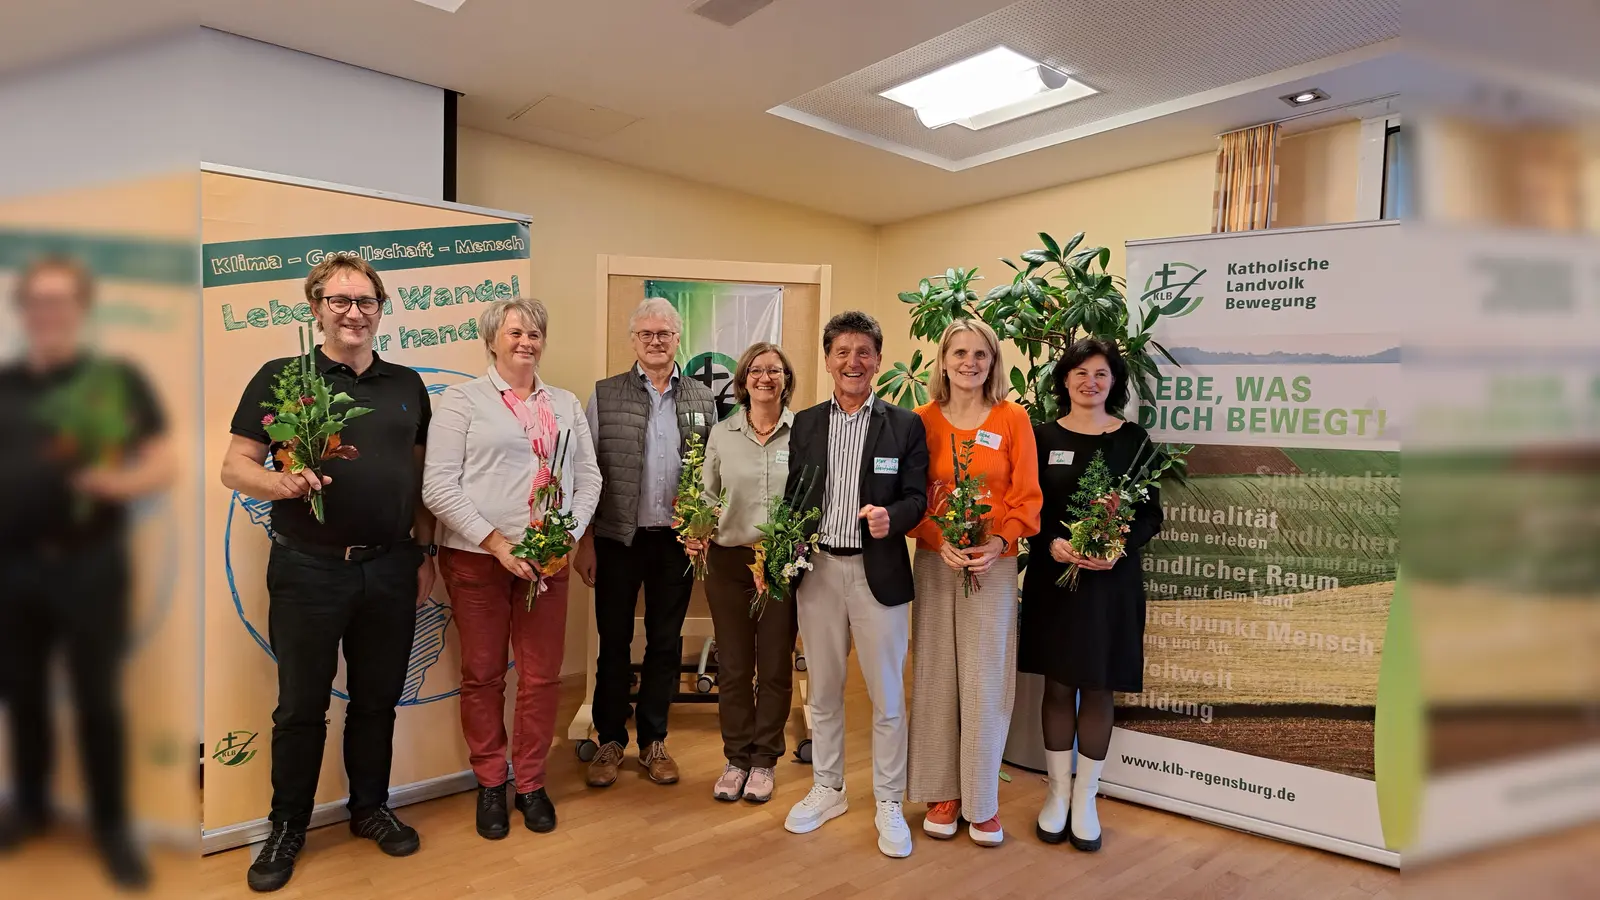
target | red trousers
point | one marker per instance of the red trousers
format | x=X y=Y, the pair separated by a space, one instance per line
x=491 y=614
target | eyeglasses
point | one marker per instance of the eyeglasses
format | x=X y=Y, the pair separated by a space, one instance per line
x=341 y=304
x=651 y=337
x=769 y=373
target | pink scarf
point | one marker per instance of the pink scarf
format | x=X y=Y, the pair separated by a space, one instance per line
x=539 y=424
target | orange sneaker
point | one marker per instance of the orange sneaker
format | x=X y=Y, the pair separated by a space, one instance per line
x=986 y=834
x=943 y=819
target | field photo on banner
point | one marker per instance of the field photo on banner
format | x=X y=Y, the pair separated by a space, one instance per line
x=441 y=266
x=720 y=319
x=1271 y=581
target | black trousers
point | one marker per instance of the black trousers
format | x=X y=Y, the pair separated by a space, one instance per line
x=317 y=604
x=657 y=562
x=73 y=601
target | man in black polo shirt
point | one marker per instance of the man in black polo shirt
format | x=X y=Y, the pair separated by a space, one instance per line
x=357 y=578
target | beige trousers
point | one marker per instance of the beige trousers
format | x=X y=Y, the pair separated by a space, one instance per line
x=964 y=678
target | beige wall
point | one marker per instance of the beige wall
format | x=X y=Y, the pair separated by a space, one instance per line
x=1317 y=176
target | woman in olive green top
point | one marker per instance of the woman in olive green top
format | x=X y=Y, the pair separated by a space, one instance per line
x=748 y=456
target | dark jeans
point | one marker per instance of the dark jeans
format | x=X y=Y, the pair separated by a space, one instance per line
x=74 y=601
x=656 y=561
x=316 y=604
x=755 y=660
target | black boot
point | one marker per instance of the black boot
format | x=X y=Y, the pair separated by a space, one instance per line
x=123 y=859
x=18 y=826
x=538 y=813
x=274 y=865
x=383 y=827
x=494 y=822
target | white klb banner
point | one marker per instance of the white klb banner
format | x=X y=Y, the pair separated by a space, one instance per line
x=1268 y=589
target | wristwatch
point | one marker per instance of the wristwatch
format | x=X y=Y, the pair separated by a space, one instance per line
x=433 y=549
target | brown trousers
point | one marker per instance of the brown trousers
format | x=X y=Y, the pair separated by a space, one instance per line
x=755 y=661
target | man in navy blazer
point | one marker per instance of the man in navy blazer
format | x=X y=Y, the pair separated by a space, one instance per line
x=869 y=460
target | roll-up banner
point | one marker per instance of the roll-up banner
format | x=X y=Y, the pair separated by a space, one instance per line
x=1268 y=637
x=441 y=264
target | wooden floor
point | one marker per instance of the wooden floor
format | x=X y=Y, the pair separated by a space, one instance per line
x=641 y=840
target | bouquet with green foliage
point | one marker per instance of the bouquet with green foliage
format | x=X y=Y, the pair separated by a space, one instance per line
x=89 y=422
x=694 y=516
x=304 y=421
x=547 y=541
x=960 y=509
x=1103 y=506
x=787 y=541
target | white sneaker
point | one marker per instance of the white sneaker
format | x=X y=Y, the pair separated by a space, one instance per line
x=894 y=838
x=819 y=805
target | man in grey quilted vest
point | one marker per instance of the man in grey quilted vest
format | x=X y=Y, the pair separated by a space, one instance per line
x=641 y=421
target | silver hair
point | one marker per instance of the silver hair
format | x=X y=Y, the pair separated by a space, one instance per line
x=656 y=308
x=490 y=322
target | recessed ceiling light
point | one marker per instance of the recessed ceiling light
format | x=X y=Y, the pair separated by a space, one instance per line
x=995 y=86
x=1302 y=98
x=446 y=5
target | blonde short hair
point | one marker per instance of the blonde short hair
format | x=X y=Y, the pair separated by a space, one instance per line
x=995 y=389
x=493 y=319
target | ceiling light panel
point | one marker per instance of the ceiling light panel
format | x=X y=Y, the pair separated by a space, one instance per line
x=994 y=86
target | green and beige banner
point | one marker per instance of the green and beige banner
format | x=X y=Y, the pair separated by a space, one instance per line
x=440 y=266
x=1270 y=642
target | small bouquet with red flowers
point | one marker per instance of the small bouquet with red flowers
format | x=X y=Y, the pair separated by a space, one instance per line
x=304 y=420
x=694 y=516
x=787 y=542
x=547 y=541
x=1104 y=505
x=961 y=509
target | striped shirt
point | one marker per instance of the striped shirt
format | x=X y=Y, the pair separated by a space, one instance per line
x=841 y=498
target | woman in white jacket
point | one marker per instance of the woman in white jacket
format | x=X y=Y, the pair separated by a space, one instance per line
x=492 y=445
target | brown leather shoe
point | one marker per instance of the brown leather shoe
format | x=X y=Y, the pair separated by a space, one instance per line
x=603 y=768
x=659 y=764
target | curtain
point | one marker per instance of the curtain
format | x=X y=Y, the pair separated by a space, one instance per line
x=1247 y=179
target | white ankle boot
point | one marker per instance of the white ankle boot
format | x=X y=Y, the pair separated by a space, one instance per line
x=1084 y=830
x=1053 y=817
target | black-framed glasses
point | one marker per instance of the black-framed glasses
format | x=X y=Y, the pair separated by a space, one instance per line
x=651 y=337
x=341 y=304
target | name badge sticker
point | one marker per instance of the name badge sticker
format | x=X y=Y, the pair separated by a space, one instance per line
x=1060 y=457
x=989 y=439
x=782 y=457
x=699 y=419
x=885 y=465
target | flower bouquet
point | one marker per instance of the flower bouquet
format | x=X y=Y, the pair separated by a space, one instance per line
x=693 y=515
x=304 y=422
x=961 y=509
x=1103 y=507
x=90 y=423
x=547 y=541
x=787 y=542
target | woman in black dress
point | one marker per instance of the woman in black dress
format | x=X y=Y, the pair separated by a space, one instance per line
x=1086 y=641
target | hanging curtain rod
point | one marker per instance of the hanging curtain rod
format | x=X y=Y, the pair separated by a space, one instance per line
x=1313 y=112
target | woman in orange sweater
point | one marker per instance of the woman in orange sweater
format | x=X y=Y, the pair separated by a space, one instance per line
x=965 y=657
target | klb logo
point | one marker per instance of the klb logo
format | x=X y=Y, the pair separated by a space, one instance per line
x=1170 y=289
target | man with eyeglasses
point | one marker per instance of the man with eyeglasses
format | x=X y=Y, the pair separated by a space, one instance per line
x=353 y=580
x=641 y=421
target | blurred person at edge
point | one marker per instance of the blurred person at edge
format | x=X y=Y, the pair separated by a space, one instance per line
x=351 y=583
x=64 y=554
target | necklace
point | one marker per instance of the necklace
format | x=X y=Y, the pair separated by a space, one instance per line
x=760 y=433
